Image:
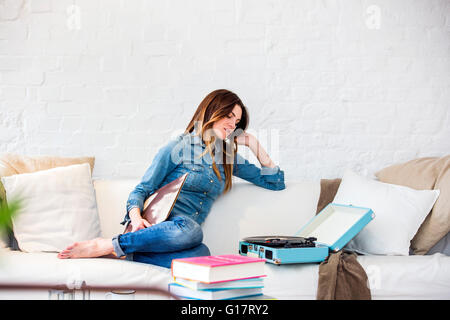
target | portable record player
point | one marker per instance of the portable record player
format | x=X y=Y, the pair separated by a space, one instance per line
x=330 y=230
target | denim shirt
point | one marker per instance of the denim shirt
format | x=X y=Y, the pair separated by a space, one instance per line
x=202 y=186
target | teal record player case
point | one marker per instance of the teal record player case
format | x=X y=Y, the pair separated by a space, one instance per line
x=333 y=228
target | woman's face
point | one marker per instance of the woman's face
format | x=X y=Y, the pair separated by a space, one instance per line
x=225 y=126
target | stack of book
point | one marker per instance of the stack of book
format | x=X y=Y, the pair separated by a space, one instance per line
x=219 y=277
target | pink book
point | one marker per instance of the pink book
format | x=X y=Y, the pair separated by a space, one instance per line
x=212 y=269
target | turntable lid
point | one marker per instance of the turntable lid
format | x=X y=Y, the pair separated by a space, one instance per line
x=337 y=224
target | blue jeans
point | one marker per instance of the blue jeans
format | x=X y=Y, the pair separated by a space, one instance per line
x=177 y=237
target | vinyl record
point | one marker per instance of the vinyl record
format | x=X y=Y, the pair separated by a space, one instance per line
x=281 y=241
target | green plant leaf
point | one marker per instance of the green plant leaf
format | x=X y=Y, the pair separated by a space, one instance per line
x=7 y=211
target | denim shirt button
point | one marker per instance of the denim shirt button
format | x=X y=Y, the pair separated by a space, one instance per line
x=205 y=192
x=201 y=202
x=211 y=181
x=196 y=212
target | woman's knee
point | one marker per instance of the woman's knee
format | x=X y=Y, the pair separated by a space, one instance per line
x=189 y=232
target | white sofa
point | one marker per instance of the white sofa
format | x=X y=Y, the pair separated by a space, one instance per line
x=247 y=210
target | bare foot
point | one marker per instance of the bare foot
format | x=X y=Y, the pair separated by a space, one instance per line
x=88 y=249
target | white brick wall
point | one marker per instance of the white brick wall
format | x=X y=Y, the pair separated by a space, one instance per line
x=329 y=84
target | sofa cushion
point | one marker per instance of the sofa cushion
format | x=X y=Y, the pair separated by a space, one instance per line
x=112 y=196
x=58 y=207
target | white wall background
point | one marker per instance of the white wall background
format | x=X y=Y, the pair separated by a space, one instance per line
x=328 y=84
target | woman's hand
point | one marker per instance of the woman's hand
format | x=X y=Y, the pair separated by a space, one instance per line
x=250 y=141
x=139 y=223
x=244 y=139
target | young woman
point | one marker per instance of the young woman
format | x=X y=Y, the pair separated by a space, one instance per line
x=207 y=150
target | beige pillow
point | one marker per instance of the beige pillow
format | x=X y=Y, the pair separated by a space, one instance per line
x=425 y=173
x=15 y=164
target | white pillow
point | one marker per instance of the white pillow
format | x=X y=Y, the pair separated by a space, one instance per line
x=399 y=212
x=59 y=207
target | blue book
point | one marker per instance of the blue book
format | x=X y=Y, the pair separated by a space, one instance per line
x=227 y=294
x=226 y=285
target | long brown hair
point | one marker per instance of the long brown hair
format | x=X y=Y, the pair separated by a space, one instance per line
x=215 y=106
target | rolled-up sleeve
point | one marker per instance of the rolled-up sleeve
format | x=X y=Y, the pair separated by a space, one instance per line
x=266 y=177
x=163 y=163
